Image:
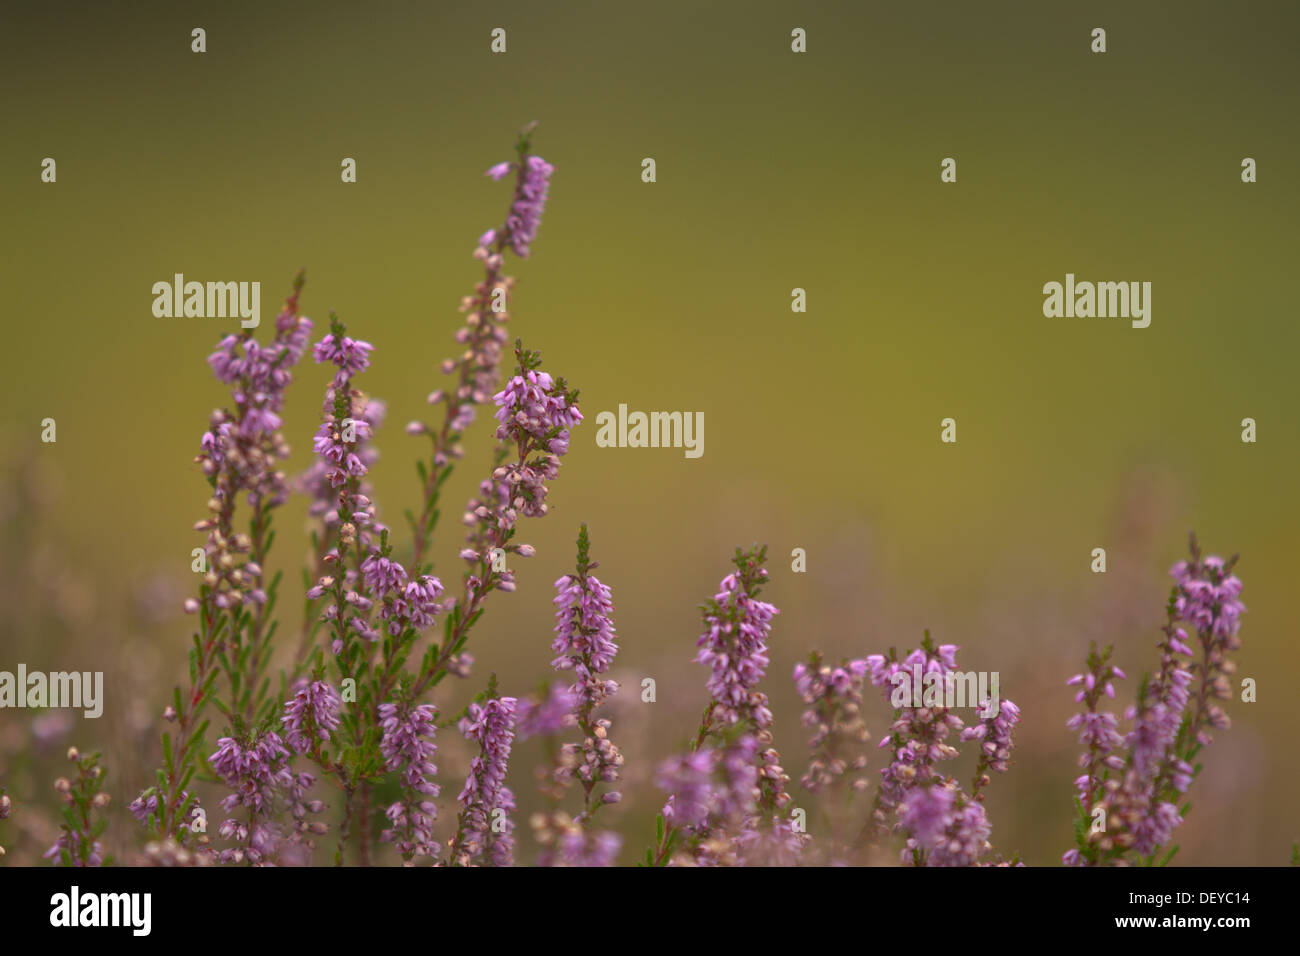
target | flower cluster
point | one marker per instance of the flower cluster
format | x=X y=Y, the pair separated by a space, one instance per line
x=725 y=807
x=584 y=644
x=1137 y=780
x=833 y=696
x=535 y=415
x=547 y=713
x=311 y=715
x=746 y=820
x=403 y=602
x=565 y=842
x=534 y=185
x=734 y=645
x=584 y=636
x=994 y=735
x=486 y=802
x=407 y=746
x=352 y=356
x=941 y=823
x=688 y=781
x=258 y=775
x=919 y=734
x=321 y=479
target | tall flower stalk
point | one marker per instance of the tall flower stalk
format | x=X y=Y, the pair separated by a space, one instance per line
x=239 y=455
x=585 y=647
x=477 y=368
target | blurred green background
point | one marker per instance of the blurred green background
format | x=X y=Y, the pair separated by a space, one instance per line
x=775 y=171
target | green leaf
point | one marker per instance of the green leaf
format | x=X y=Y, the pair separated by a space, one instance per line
x=197 y=735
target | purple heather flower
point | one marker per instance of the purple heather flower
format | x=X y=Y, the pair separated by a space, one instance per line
x=918 y=735
x=258 y=775
x=407 y=746
x=352 y=356
x=329 y=444
x=518 y=487
x=1098 y=733
x=1155 y=828
x=491 y=725
x=501 y=849
x=833 y=696
x=966 y=838
x=1169 y=719
x=926 y=812
x=714 y=798
x=734 y=648
x=689 y=783
x=311 y=715
x=71 y=840
x=1208 y=598
x=584 y=635
x=532 y=404
x=144 y=806
x=568 y=844
x=322 y=478
x=256 y=772
x=382 y=575
x=406 y=604
x=530 y=202
x=994 y=735
x=548 y=715
x=498 y=172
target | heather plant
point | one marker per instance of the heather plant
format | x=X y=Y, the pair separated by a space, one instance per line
x=329 y=743
x=78 y=843
x=1128 y=798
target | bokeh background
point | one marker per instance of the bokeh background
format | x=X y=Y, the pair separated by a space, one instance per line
x=775 y=171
